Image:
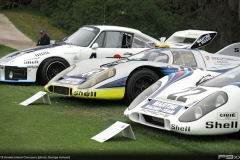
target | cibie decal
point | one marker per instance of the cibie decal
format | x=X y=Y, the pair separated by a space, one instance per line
x=178 y=128
x=41 y=54
x=227 y=116
x=163 y=107
x=207 y=57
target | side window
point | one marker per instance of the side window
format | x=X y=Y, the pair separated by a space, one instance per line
x=140 y=42
x=127 y=40
x=184 y=57
x=113 y=40
x=100 y=39
x=162 y=57
x=158 y=57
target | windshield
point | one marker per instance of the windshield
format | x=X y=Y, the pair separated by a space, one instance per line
x=157 y=55
x=83 y=37
x=224 y=79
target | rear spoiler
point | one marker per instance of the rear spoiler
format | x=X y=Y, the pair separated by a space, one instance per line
x=231 y=50
x=190 y=39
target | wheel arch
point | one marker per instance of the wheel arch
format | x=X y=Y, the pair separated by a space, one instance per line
x=127 y=95
x=41 y=64
x=154 y=69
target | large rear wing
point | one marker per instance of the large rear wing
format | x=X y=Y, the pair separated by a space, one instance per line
x=190 y=39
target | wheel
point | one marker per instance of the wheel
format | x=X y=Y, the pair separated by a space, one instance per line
x=49 y=68
x=138 y=82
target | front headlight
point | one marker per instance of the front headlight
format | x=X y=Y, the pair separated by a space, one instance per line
x=205 y=106
x=145 y=94
x=99 y=78
x=59 y=75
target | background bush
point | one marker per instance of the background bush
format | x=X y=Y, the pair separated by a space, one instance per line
x=156 y=18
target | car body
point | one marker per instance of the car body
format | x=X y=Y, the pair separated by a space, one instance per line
x=190 y=102
x=126 y=78
x=90 y=41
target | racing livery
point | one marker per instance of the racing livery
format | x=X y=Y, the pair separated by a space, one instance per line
x=90 y=41
x=126 y=78
x=190 y=102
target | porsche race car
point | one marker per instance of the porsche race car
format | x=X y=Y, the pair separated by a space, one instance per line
x=113 y=79
x=190 y=102
x=91 y=41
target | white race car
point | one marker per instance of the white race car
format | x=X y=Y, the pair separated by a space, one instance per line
x=191 y=102
x=93 y=41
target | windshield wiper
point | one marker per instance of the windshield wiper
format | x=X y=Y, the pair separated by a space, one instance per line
x=204 y=79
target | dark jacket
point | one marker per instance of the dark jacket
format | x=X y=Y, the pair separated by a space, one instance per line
x=45 y=40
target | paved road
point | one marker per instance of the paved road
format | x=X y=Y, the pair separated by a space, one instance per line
x=12 y=37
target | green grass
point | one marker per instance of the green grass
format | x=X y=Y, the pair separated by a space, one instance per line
x=67 y=125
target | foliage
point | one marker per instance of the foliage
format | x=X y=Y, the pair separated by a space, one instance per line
x=156 y=18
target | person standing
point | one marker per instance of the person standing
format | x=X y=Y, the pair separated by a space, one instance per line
x=44 y=39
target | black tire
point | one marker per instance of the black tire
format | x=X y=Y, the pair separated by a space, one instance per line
x=138 y=82
x=49 y=68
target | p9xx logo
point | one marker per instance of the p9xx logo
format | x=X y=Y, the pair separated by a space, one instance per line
x=182 y=96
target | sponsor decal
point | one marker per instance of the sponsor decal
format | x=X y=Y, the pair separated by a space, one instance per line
x=154 y=112
x=207 y=57
x=236 y=50
x=178 y=128
x=30 y=62
x=232 y=124
x=221 y=62
x=32 y=66
x=41 y=54
x=190 y=68
x=87 y=94
x=204 y=39
x=222 y=58
x=227 y=116
x=69 y=52
x=93 y=72
x=163 y=107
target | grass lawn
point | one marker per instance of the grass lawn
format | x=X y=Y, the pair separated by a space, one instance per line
x=67 y=125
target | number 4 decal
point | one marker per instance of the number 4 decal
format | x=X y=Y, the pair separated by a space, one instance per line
x=93 y=55
x=183 y=98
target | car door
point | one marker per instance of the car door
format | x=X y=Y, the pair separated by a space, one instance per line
x=110 y=44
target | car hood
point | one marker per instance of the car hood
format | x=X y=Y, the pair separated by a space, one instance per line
x=88 y=69
x=33 y=52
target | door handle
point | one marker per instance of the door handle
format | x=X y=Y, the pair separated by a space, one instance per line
x=127 y=53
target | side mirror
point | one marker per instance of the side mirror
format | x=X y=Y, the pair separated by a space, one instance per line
x=94 y=46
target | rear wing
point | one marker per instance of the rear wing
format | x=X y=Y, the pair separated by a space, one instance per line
x=190 y=39
x=230 y=50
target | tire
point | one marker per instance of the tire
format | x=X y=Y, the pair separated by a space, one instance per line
x=49 y=68
x=138 y=82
